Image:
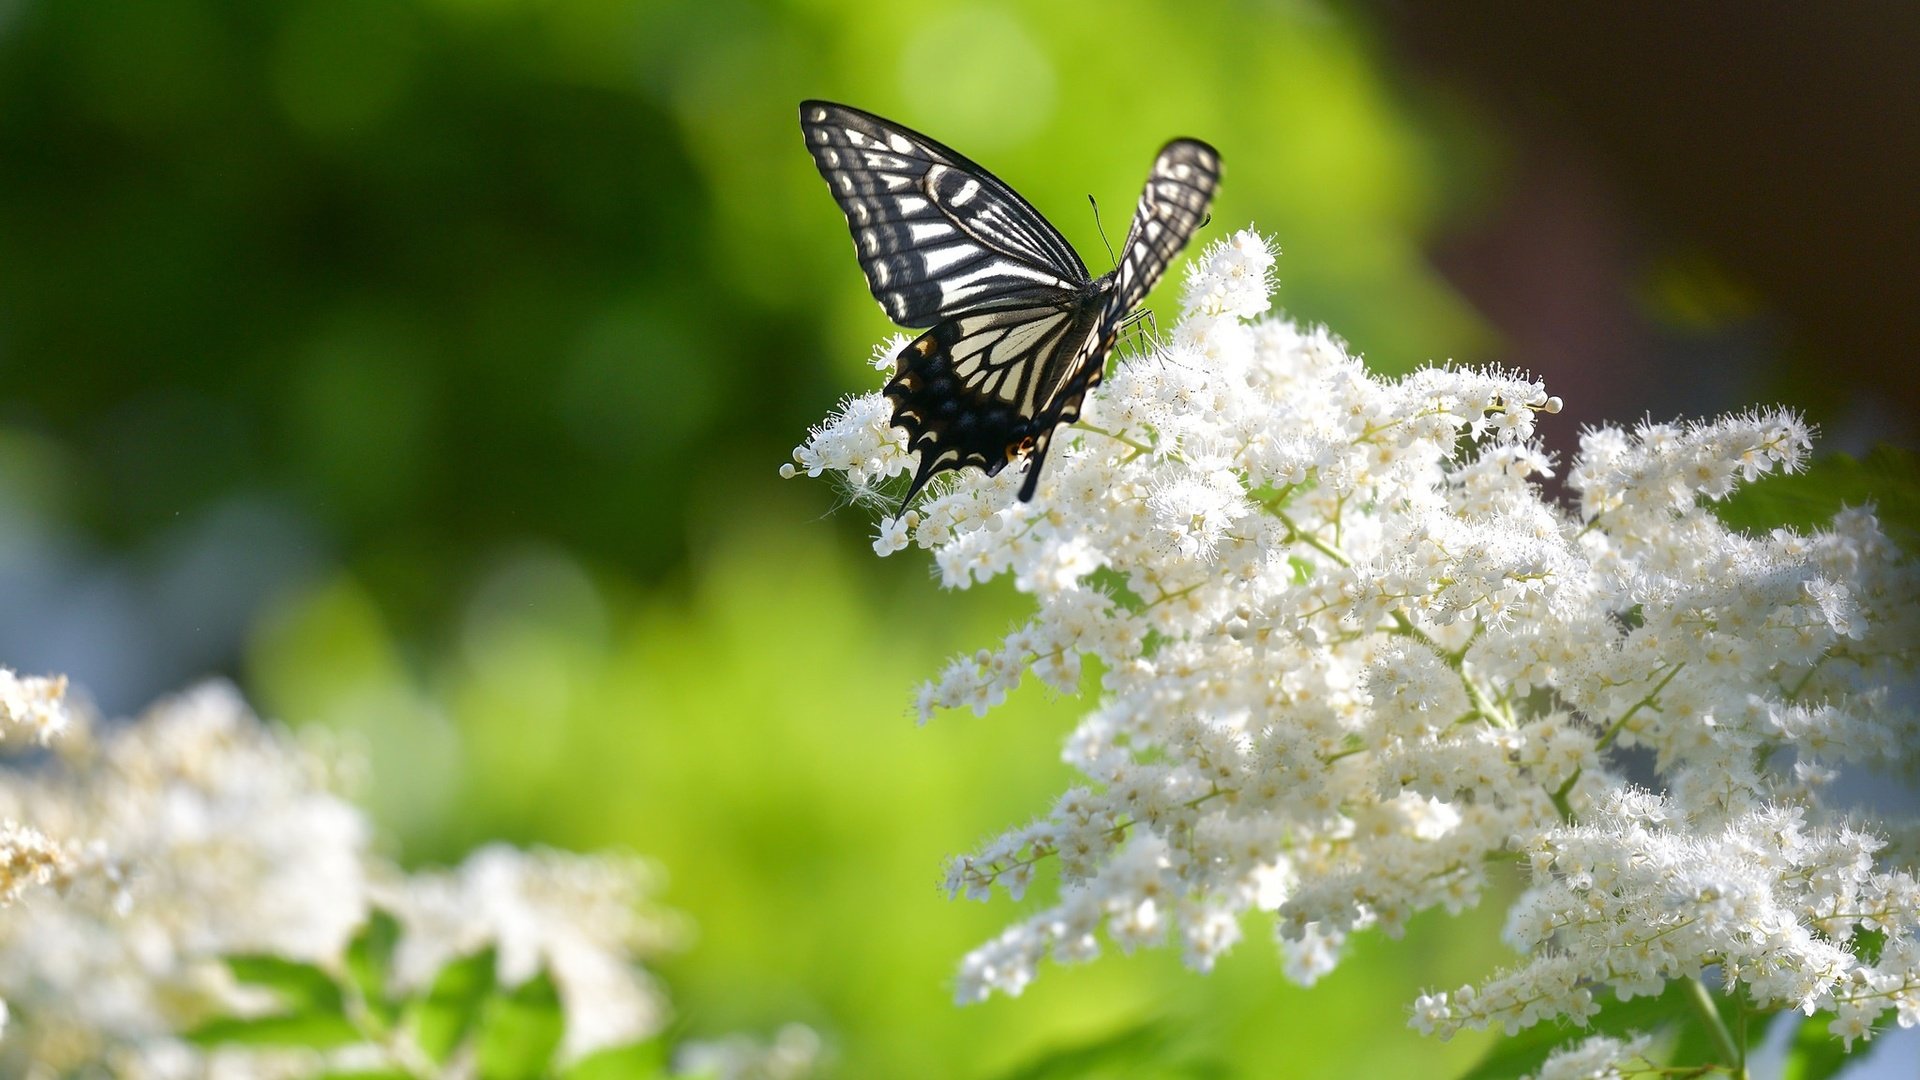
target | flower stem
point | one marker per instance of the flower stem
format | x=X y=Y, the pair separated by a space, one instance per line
x=1331 y=551
x=1138 y=447
x=1733 y=1054
x=1653 y=695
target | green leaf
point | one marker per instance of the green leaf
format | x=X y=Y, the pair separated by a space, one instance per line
x=521 y=1030
x=1814 y=1053
x=1887 y=477
x=316 y=1031
x=634 y=1061
x=451 y=1006
x=1867 y=944
x=303 y=987
x=370 y=965
x=368 y=1074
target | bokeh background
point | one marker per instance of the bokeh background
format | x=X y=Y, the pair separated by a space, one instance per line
x=424 y=365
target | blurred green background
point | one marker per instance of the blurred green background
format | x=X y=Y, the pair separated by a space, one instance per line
x=425 y=365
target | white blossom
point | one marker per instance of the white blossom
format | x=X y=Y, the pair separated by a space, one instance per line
x=1354 y=659
x=1597 y=1057
x=859 y=442
x=29 y=858
x=34 y=706
x=577 y=917
x=201 y=832
x=892 y=536
x=198 y=833
x=794 y=1053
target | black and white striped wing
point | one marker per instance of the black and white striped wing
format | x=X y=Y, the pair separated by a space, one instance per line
x=970 y=391
x=1179 y=191
x=1178 y=194
x=937 y=235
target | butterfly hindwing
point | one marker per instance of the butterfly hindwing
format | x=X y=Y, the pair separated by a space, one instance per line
x=936 y=234
x=970 y=391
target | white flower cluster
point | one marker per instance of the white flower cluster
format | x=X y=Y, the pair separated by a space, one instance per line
x=794 y=1053
x=29 y=857
x=36 y=707
x=1774 y=902
x=579 y=917
x=1598 y=1057
x=206 y=833
x=1354 y=659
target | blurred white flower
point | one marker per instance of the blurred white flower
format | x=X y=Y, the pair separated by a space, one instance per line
x=197 y=832
x=35 y=707
x=580 y=918
x=1354 y=659
x=794 y=1053
x=1598 y=1057
x=205 y=833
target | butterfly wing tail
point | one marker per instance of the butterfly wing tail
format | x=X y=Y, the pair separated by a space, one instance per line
x=1034 y=460
x=929 y=466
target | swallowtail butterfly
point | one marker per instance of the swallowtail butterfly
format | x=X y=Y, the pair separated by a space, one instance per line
x=1017 y=331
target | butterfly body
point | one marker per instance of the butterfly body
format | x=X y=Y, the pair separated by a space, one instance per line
x=1016 y=331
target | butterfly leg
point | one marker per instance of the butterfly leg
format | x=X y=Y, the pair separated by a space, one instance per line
x=1131 y=324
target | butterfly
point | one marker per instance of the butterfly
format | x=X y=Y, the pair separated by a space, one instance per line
x=1017 y=331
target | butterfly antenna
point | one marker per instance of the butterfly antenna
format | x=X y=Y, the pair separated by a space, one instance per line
x=1111 y=258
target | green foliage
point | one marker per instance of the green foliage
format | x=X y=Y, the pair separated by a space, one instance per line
x=1670 y=1017
x=370 y=965
x=445 y=275
x=314 y=1031
x=1888 y=479
x=1521 y=1054
x=1867 y=943
x=463 y=1012
x=520 y=1031
x=440 y=1020
x=1814 y=1053
x=1682 y=1040
x=314 y=1015
x=303 y=987
x=638 y=1061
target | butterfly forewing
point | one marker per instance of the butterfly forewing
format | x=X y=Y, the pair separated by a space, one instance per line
x=1019 y=334
x=1173 y=205
x=936 y=234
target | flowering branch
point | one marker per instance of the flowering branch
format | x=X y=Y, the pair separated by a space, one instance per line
x=1354 y=658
